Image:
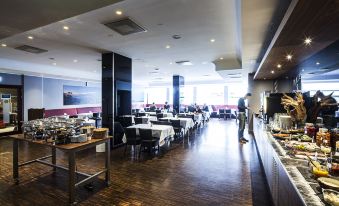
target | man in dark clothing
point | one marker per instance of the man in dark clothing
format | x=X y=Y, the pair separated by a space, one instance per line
x=167 y=106
x=242 y=117
x=153 y=107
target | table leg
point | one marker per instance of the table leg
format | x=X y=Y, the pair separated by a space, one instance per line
x=54 y=158
x=107 y=163
x=16 y=161
x=71 y=176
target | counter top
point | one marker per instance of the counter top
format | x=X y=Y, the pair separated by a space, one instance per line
x=291 y=165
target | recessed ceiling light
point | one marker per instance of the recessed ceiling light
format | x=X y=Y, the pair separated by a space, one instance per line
x=206 y=75
x=51 y=58
x=264 y=78
x=317 y=63
x=308 y=41
x=289 y=57
x=303 y=70
x=221 y=58
x=212 y=40
x=30 y=37
x=170 y=63
x=75 y=60
x=156 y=69
x=168 y=46
x=95 y=71
x=279 y=66
x=176 y=36
x=272 y=71
x=204 y=62
x=118 y=12
x=3 y=45
x=54 y=63
x=66 y=28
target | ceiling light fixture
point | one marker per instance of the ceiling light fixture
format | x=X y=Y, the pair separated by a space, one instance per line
x=308 y=41
x=318 y=63
x=272 y=71
x=221 y=58
x=279 y=66
x=156 y=69
x=168 y=46
x=303 y=70
x=54 y=63
x=30 y=37
x=212 y=40
x=118 y=12
x=204 y=62
x=3 y=45
x=75 y=60
x=289 y=57
x=170 y=63
x=66 y=28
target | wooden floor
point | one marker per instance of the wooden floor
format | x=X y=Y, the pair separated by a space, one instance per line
x=211 y=168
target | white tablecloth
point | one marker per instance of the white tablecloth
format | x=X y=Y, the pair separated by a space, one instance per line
x=154 y=114
x=158 y=131
x=186 y=123
x=145 y=119
x=197 y=116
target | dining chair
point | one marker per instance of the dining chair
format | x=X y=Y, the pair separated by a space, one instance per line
x=138 y=120
x=228 y=113
x=128 y=121
x=221 y=113
x=147 y=140
x=161 y=123
x=141 y=114
x=132 y=139
x=178 y=129
x=160 y=115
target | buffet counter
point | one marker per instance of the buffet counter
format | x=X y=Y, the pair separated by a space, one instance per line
x=287 y=184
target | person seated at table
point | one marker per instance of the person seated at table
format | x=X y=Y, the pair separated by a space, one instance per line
x=191 y=108
x=197 y=109
x=167 y=106
x=205 y=108
x=152 y=108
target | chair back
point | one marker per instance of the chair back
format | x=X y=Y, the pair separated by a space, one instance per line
x=160 y=115
x=146 y=134
x=161 y=122
x=175 y=123
x=141 y=114
x=138 y=120
x=228 y=111
x=128 y=121
x=181 y=115
x=158 y=111
x=221 y=111
x=131 y=135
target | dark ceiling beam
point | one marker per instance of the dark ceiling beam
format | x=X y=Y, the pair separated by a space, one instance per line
x=316 y=19
x=17 y=16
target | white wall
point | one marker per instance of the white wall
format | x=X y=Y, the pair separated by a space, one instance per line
x=48 y=93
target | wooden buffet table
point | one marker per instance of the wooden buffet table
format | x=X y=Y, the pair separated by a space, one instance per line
x=70 y=150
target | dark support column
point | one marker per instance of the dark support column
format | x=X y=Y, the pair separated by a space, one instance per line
x=107 y=91
x=116 y=89
x=178 y=82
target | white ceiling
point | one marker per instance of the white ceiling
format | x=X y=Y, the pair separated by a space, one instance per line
x=196 y=21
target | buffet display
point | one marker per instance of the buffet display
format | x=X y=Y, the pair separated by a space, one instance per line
x=314 y=141
x=60 y=130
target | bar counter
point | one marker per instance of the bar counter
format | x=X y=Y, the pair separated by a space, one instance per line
x=283 y=173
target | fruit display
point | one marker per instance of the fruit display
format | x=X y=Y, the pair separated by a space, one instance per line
x=320 y=171
x=281 y=136
x=323 y=138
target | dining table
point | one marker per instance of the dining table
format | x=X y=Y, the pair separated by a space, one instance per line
x=186 y=123
x=145 y=119
x=162 y=132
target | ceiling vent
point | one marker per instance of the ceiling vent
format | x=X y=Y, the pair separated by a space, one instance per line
x=31 y=49
x=184 y=63
x=125 y=27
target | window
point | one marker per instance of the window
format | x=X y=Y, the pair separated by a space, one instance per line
x=210 y=94
x=236 y=91
x=326 y=87
x=157 y=95
x=186 y=95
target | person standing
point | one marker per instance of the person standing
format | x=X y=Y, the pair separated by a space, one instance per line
x=167 y=106
x=242 y=117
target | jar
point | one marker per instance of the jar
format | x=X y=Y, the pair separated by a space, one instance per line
x=310 y=130
x=323 y=137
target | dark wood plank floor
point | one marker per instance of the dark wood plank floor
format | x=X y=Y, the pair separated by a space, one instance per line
x=212 y=168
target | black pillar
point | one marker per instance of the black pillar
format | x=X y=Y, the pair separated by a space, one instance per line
x=178 y=83
x=116 y=88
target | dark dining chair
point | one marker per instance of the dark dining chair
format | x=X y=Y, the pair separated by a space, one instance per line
x=228 y=113
x=161 y=123
x=221 y=113
x=147 y=140
x=132 y=139
x=141 y=114
x=160 y=115
x=138 y=120
x=128 y=121
x=158 y=111
x=178 y=129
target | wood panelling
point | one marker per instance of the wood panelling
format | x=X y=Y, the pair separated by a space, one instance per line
x=318 y=20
